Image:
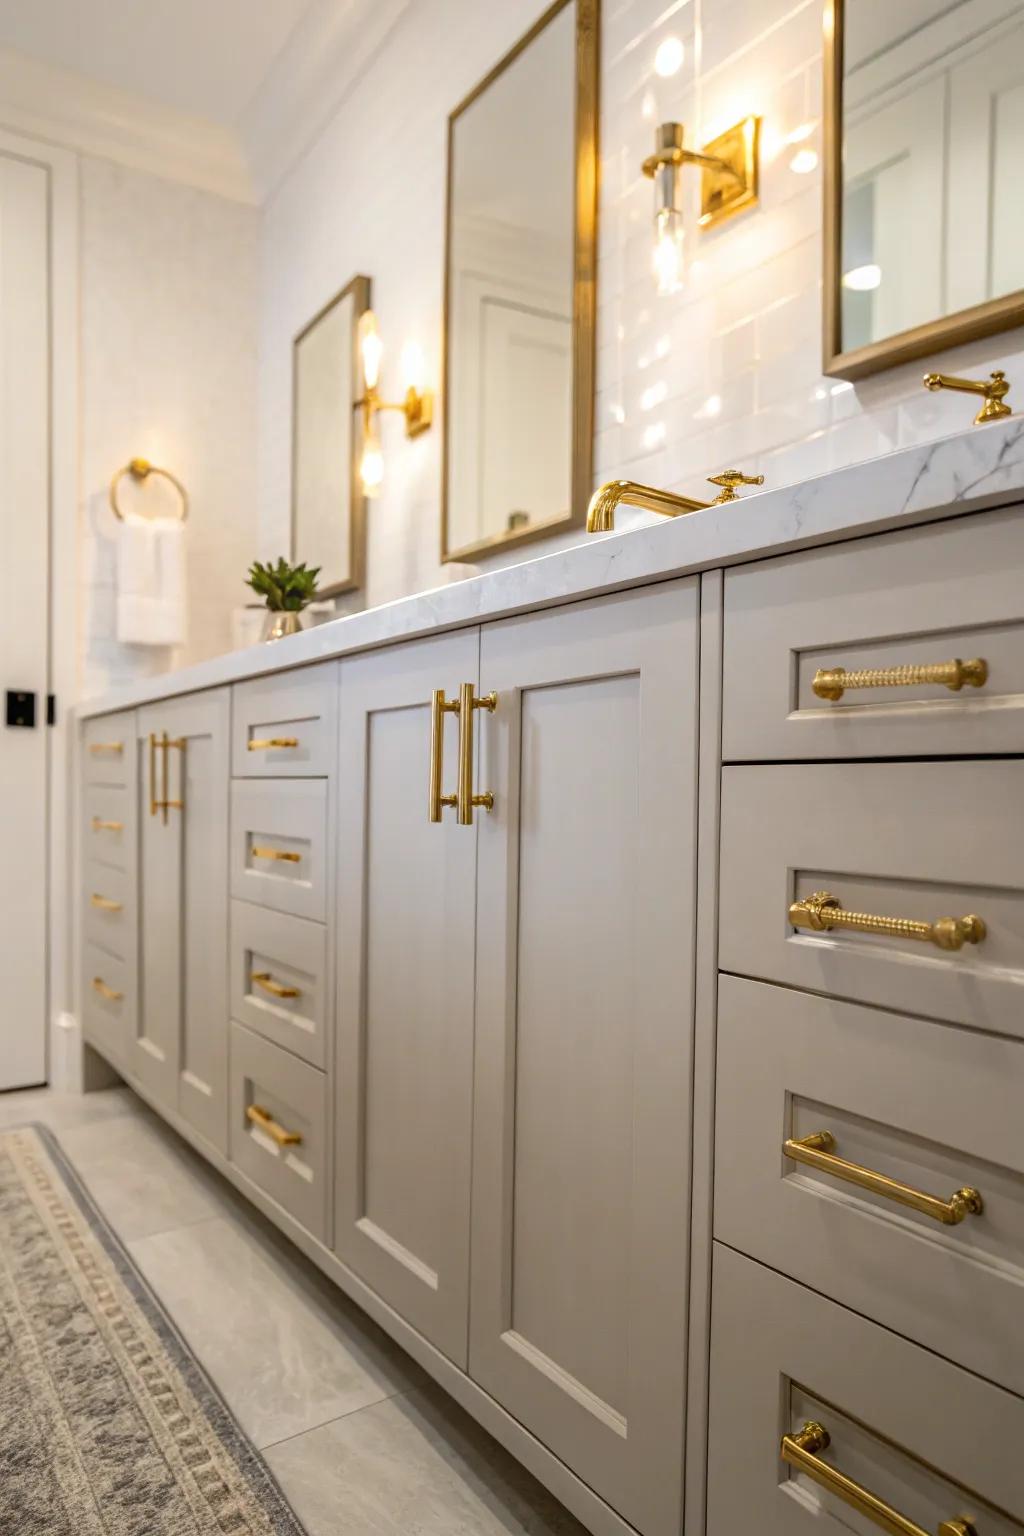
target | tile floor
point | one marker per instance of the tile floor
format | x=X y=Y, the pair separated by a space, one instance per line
x=361 y=1441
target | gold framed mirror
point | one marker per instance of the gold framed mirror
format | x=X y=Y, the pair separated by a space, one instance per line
x=328 y=505
x=520 y=300
x=924 y=125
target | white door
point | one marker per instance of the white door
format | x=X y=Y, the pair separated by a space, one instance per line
x=24 y=627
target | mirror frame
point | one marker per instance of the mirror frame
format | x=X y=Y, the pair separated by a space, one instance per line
x=981 y=320
x=359 y=288
x=584 y=313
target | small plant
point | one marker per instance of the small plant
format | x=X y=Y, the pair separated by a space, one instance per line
x=284 y=588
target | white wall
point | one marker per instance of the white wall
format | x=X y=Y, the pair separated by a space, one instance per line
x=726 y=374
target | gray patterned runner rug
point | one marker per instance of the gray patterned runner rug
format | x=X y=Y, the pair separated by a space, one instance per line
x=108 y=1426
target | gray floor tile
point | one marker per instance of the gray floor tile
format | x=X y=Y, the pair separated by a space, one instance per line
x=413 y=1466
x=66 y=1109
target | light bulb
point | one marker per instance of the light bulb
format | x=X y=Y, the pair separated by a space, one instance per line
x=370 y=348
x=371 y=464
x=863 y=279
x=669 y=57
x=668 y=251
x=413 y=366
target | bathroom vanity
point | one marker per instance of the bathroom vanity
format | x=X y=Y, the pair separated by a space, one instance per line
x=480 y=941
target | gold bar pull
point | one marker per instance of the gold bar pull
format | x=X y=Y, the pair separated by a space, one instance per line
x=264 y=979
x=164 y=744
x=116 y=747
x=802 y=1451
x=257 y=1115
x=822 y=912
x=833 y=682
x=439 y=707
x=465 y=798
x=105 y=903
x=99 y=825
x=100 y=986
x=280 y=854
x=818 y=1151
x=271 y=743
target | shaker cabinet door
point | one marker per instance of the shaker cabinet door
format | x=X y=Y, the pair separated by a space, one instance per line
x=584 y=996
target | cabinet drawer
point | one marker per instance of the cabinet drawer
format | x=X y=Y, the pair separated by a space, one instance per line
x=108 y=746
x=279 y=982
x=285 y=727
x=109 y=909
x=917 y=841
x=931 y=1440
x=279 y=845
x=108 y=1002
x=936 y=1108
x=107 y=833
x=274 y=1097
x=916 y=598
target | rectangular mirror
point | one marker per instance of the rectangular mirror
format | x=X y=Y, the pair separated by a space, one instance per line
x=924 y=119
x=520 y=291
x=328 y=510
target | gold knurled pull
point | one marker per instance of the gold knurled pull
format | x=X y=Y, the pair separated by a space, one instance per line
x=833 y=682
x=818 y=1151
x=822 y=912
x=266 y=981
x=258 y=1116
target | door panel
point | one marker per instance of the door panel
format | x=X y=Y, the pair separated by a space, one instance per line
x=405 y=992
x=583 y=1037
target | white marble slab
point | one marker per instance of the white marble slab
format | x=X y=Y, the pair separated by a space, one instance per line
x=982 y=467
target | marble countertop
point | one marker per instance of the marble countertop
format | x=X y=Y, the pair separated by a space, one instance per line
x=982 y=467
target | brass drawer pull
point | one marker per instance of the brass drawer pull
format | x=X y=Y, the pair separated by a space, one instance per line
x=99 y=825
x=271 y=743
x=100 y=986
x=105 y=903
x=833 y=682
x=465 y=799
x=822 y=912
x=116 y=747
x=264 y=979
x=801 y=1451
x=439 y=707
x=257 y=1115
x=159 y=799
x=280 y=854
x=818 y=1151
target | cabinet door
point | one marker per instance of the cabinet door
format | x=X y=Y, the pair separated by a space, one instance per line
x=180 y=1049
x=584 y=997
x=405 y=991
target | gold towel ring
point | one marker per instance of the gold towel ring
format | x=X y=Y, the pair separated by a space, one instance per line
x=139 y=469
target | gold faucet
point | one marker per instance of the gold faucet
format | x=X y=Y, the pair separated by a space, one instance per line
x=994 y=388
x=601 y=512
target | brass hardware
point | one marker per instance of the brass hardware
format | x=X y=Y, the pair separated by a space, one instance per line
x=99 y=825
x=271 y=743
x=729 y=164
x=823 y=912
x=601 y=512
x=833 y=682
x=439 y=707
x=818 y=1151
x=802 y=1451
x=257 y=1115
x=995 y=389
x=280 y=854
x=141 y=469
x=105 y=903
x=163 y=744
x=100 y=986
x=265 y=980
x=96 y=747
x=465 y=798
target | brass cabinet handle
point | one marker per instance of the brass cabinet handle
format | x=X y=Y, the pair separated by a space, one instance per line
x=265 y=980
x=100 y=986
x=818 y=1151
x=465 y=798
x=833 y=682
x=96 y=747
x=801 y=1451
x=257 y=1115
x=439 y=707
x=822 y=912
x=99 y=825
x=159 y=800
x=280 y=854
x=105 y=903
x=270 y=743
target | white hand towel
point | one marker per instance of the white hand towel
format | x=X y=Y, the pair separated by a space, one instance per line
x=151 y=581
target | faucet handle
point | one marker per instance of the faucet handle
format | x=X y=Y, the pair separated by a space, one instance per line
x=729 y=479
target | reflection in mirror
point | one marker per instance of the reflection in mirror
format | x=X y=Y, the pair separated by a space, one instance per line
x=519 y=290
x=328 y=523
x=924 y=219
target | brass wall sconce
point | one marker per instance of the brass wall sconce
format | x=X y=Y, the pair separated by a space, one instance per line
x=995 y=389
x=417 y=407
x=729 y=183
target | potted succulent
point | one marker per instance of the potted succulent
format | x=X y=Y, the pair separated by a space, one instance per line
x=286 y=590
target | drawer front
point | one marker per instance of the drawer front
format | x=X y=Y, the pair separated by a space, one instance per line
x=279 y=845
x=916 y=598
x=279 y=980
x=931 y=1440
x=918 y=841
x=935 y=1109
x=108 y=827
x=286 y=727
x=108 y=746
x=275 y=1096
x=109 y=909
x=108 y=1002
